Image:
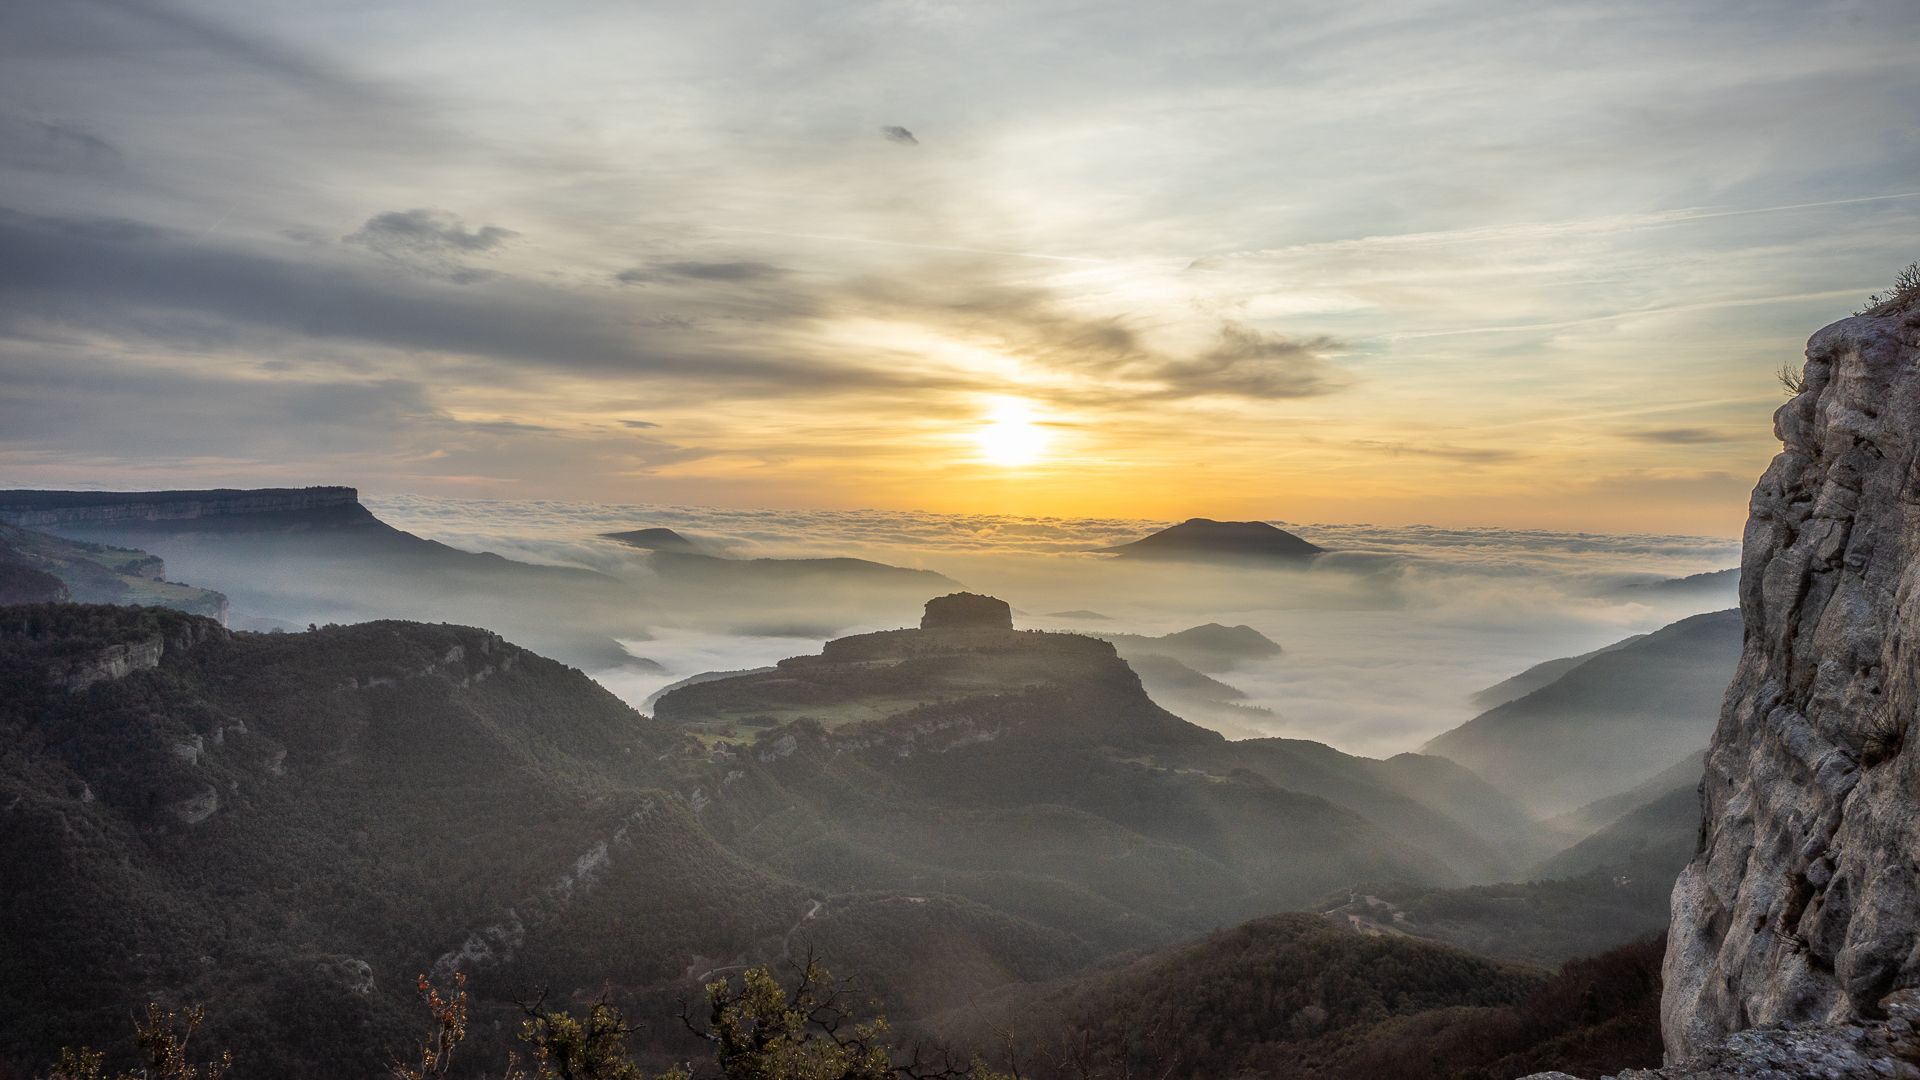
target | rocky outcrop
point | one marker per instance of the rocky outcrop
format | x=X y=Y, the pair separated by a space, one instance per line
x=1881 y=1048
x=967 y=611
x=1802 y=901
x=121 y=659
x=112 y=662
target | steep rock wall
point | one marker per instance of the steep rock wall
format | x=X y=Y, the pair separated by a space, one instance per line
x=1801 y=904
x=36 y=509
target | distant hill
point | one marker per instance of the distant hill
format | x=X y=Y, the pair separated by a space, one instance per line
x=655 y=539
x=316 y=555
x=1163 y=675
x=1607 y=724
x=1204 y=540
x=41 y=567
x=1718 y=586
x=1210 y=647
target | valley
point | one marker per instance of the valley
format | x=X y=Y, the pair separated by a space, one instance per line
x=958 y=814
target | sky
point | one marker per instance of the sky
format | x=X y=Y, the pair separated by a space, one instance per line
x=1512 y=264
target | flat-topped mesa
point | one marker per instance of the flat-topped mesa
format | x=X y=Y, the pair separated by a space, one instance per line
x=43 y=509
x=968 y=611
x=1801 y=902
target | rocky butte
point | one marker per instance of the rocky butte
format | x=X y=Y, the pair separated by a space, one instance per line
x=967 y=610
x=1793 y=947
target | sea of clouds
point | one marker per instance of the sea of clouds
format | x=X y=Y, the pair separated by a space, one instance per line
x=1386 y=637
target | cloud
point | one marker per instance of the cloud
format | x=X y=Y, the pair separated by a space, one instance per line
x=895 y=133
x=434 y=241
x=734 y=271
x=1680 y=436
x=1477 y=455
x=54 y=148
x=1253 y=364
x=1115 y=363
x=638 y=424
x=124 y=278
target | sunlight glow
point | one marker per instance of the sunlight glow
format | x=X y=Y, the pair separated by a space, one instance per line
x=1011 y=438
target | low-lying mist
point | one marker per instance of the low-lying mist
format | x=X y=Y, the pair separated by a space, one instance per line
x=1385 y=637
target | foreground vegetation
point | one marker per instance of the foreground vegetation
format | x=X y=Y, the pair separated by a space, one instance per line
x=757 y=1029
x=1284 y=999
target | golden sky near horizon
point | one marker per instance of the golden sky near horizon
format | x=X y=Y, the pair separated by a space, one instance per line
x=1464 y=263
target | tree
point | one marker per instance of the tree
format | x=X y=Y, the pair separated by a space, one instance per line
x=758 y=1031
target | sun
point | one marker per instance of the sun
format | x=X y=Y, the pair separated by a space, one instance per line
x=1010 y=438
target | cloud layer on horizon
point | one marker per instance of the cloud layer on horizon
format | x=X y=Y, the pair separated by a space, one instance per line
x=1463 y=608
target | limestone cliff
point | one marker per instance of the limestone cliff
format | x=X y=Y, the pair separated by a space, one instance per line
x=42 y=509
x=1802 y=901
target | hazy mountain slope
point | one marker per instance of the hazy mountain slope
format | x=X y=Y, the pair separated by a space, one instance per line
x=295 y=556
x=1210 y=647
x=1598 y=814
x=1655 y=839
x=98 y=574
x=1539 y=675
x=22 y=582
x=1714 y=586
x=1608 y=724
x=1433 y=803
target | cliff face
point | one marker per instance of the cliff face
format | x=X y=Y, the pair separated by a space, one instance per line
x=1802 y=902
x=39 y=509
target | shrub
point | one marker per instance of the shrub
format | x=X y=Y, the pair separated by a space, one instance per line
x=1904 y=294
